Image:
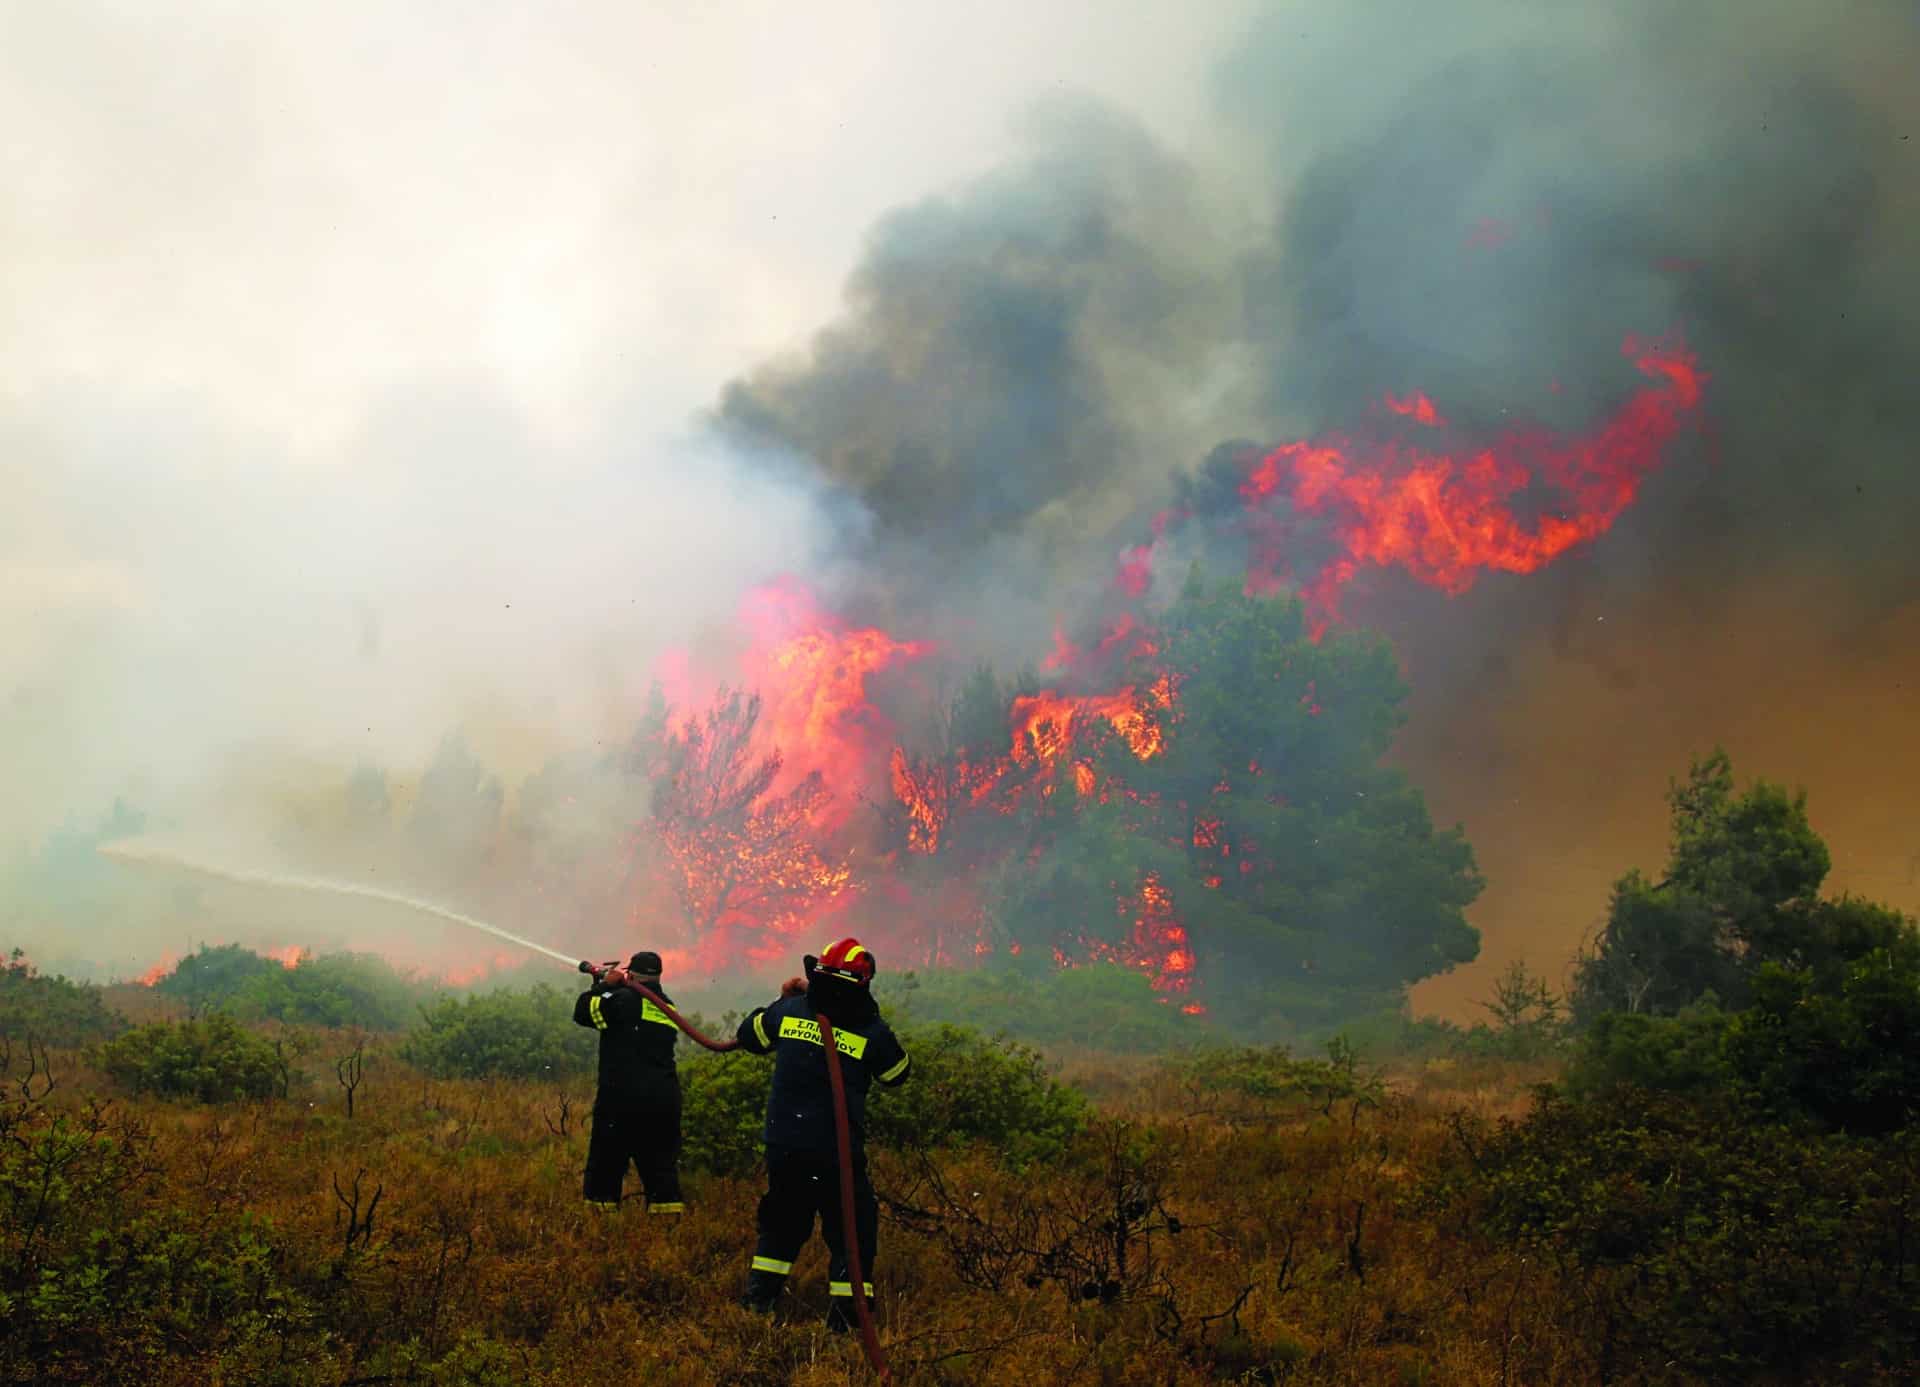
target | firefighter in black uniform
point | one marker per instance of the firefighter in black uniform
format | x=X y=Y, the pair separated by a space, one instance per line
x=636 y=1106
x=802 y=1170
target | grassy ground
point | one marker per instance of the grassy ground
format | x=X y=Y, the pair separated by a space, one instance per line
x=1193 y=1236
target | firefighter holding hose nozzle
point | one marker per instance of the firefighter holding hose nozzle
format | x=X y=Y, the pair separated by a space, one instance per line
x=803 y=1175
x=636 y=1104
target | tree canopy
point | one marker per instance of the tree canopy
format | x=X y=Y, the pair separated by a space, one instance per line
x=1252 y=834
x=1740 y=892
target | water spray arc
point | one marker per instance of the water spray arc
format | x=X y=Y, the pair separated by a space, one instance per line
x=869 y=1337
x=324 y=886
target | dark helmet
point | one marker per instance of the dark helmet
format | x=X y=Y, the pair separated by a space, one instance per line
x=646 y=962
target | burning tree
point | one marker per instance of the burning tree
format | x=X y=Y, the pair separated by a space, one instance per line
x=737 y=852
x=1224 y=814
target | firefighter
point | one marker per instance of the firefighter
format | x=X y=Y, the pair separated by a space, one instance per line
x=636 y=1105
x=802 y=1163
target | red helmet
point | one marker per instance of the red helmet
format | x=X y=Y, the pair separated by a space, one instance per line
x=848 y=959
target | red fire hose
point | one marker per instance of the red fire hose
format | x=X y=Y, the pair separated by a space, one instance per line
x=843 y=1143
x=849 y=1225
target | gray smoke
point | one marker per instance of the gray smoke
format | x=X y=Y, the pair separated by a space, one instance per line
x=1480 y=201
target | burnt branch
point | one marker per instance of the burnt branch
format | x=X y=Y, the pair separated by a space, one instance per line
x=359 y=1229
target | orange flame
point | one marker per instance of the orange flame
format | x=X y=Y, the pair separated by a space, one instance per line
x=1418 y=408
x=1044 y=723
x=1446 y=519
x=812 y=671
x=468 y=973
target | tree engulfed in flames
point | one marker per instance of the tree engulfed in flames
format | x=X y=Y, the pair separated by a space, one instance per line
x=745 y=862
x=748 y=800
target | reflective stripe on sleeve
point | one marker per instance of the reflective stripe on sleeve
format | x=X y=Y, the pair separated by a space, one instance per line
x=760 y=1029
x=593 y=1010
x=890 y=1075
x=772 y=1264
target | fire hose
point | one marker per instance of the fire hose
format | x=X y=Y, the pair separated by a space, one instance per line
x=843 y=1148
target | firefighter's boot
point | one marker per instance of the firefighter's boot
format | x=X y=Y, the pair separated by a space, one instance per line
x=842 y=1316
x=763 y=1290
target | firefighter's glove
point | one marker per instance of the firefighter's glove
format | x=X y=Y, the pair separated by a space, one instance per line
x=793 y=987
x=614 y=977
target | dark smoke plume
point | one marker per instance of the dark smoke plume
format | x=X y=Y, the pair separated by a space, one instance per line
x=1479 y=202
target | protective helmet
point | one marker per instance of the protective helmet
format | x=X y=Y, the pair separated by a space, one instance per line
x=849 y=960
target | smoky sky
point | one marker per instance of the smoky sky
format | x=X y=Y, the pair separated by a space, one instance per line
x=350 y=354
x=371 y=375
x=1482 y=202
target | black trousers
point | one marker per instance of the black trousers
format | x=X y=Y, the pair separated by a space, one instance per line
x=801 y=1185
x=645 y=1133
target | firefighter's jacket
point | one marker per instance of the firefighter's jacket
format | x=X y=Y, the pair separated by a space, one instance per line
x=636 y=1044
x=800 y=1108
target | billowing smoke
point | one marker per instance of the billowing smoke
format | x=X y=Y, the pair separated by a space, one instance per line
x=1479 y=203
x=1475 y=201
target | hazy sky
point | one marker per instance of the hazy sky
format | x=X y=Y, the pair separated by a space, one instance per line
x=348 y=352
x=352 y=360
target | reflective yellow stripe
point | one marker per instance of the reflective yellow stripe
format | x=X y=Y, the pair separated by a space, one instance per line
x=772 y=1264
x=890 y=1075
x=593 y=1010
x=855 y=952
x=801 y=1028
x=650 y=1012
x=603 y=1203
x=671 y=1207
x=845 y=1288
x=760 y=1030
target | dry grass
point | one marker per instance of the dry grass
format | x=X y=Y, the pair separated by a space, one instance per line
x=1301 y=1252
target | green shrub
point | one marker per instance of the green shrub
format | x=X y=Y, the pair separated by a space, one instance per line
x=52 y=1009
x=213 y=976
x=1847 y=1057
x=99 y=1279
x=1684 y=1053
x=333 y=990
x=212 y=1059
x=966 y=1086
x=723 y=1110
x=1692 y=1244
x=1841 y=1050
x=516 y=1035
